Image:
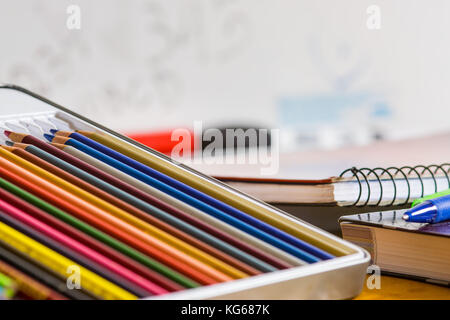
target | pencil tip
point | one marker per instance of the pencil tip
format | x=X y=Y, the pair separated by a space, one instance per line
x=49 y=137
x=53 y=131
x=9 y=143
x=7 y=133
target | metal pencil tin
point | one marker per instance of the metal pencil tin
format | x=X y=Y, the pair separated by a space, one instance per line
x=338 y=278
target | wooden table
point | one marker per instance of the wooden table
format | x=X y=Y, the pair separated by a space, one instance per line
x=393 y=288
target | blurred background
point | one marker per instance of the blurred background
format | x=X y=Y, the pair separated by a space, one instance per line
x=327 y=73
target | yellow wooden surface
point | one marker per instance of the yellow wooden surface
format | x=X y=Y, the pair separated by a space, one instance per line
x=393 y=288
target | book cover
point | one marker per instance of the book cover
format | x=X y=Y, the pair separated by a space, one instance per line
x=393 y=220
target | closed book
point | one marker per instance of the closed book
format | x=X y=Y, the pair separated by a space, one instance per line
x=418 y=250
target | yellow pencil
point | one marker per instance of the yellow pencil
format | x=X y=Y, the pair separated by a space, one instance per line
x=222 y=194
x=60 y=264
x=205 y=261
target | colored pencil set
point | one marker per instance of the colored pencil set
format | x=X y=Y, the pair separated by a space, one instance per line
x=85 y=215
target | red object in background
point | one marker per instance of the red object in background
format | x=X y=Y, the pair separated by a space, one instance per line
x=160 y=140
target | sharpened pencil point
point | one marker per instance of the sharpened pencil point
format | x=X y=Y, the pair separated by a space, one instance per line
x=9 y=143
x=49 y=137
x=53 y=131
x=7 y=133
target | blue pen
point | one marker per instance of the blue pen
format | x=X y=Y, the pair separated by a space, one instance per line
x=430 y=211
x=199 y=195
x=299 y=253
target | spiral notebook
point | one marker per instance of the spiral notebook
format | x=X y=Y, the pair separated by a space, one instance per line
x=353 y=187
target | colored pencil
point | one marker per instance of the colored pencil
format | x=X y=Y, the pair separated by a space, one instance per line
x=163 y=165
x=299 y=253
x=65 y=246
x=185 y=212
x=182 y=187
x=82 y=238
x=172 y=225
x=172 y=246
x=113 y=243
x=87 y=212
x=28 y=286
x=60 y=264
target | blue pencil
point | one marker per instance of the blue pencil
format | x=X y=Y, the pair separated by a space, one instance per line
x=202 y=196
x=299 y=253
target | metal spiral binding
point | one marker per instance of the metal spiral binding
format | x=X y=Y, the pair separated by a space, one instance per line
x=364 y=175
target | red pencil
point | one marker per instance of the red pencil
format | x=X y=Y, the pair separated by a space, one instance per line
x=88 y=241
x=260 y=254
